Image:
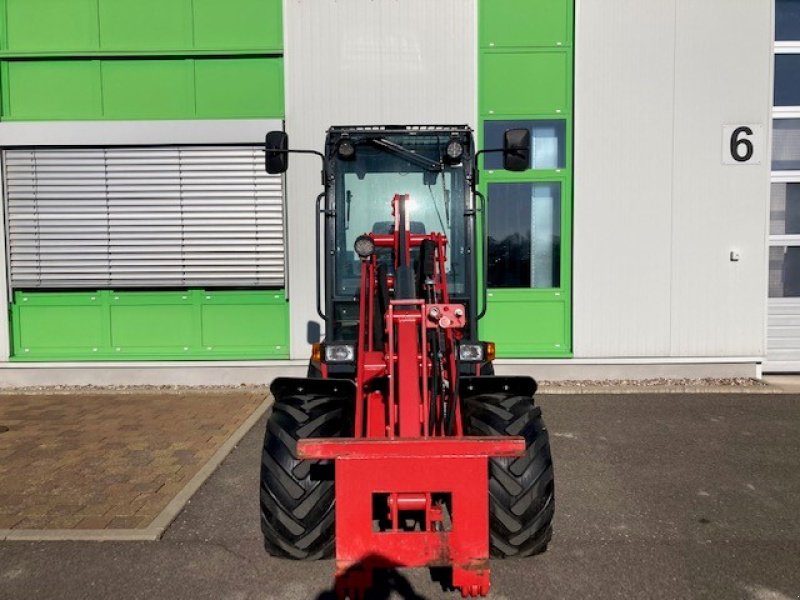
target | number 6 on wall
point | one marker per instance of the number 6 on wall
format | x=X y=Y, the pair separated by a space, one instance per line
x=742 y=144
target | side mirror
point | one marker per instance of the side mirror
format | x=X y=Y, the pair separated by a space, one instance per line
x=517 y=150
x=276 y=152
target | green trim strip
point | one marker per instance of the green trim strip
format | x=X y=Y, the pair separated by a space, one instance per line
x=146 y=89
x=190 y=325
x=35 y=28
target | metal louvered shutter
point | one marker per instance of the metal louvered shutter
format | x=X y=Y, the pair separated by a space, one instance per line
x=143 y=218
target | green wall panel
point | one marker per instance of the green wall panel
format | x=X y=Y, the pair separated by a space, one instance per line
x=64 y=323
x=190 y=325
x=148 y=89
x=239 y=88
x=151 y=323
x=251 y=329
x=145 y=25
x=525 y=23
x=142 y=89
x=51 y=89
x=109 y=27
x=238 y=24
x=525 y=83
x=49 y=25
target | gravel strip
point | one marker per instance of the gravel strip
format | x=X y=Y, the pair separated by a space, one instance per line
x=645 y=383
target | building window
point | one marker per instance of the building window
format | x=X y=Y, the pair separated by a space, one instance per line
x=786 y=145
x=787 y=20
x=784 y=272
x=524 y=223
x=787 y=80
x=785 y=209
x=548 y=142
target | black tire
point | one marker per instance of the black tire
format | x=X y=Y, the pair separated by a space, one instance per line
x=521 y=491
x=297 y=496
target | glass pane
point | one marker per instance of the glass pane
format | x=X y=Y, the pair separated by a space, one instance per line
x=548 y=142
x=785 y=209
x=524 y=224
x=784 y=272
x=786 y=145
x=787 y=80
x=787 y=20
x=366 y=185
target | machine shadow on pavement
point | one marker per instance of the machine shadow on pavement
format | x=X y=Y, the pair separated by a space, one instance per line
x=386 y=582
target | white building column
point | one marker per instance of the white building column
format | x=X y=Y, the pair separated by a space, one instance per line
x=363 y=62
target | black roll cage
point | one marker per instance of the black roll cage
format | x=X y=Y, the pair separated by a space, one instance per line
x=474 y=205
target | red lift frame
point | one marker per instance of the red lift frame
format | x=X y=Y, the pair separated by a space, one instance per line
x=398 y=460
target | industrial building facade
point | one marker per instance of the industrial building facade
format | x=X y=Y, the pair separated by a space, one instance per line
x=654 y=233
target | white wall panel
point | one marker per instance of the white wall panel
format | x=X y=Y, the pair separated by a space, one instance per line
x=623 y=177
x=656 y=211
x=354 y=62
x=722 y=78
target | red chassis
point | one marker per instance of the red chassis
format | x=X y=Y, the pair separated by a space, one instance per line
x=411 y=489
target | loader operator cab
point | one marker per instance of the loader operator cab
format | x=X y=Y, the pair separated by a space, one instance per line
x=377 y=164
x=363 y=169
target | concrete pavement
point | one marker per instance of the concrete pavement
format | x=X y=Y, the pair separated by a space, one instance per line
x=658 y=496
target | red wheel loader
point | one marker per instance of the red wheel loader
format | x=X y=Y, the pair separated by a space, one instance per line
x=401 y=448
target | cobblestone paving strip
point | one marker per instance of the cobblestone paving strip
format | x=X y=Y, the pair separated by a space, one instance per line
x=108 y=460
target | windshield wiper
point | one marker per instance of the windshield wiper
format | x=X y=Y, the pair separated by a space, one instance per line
x=426 y=163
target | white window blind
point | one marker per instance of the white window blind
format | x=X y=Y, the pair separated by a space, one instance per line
x=143 y=218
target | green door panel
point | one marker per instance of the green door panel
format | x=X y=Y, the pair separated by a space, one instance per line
x=147 y=89
x=145 y=25
x=51 y=25
x=238 y=25
x=51 y=89
x=529 y=83
x=247 y=87
x=522 y=326
x=525 y=23
x=189 y=325
x=526 y=80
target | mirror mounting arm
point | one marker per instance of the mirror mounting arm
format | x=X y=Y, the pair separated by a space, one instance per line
x=475 y=179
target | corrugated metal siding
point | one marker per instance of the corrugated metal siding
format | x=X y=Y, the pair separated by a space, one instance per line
x=143 y=217
x=783 y=332
x=656 y=212
x=365 y=62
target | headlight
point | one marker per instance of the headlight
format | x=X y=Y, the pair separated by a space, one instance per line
x=340 y=353
x=454 y=152
x=470 y=352
x=364 y=246
x=345 y=150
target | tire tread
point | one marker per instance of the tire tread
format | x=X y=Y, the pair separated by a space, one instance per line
x=521 y=490
x=297 y=507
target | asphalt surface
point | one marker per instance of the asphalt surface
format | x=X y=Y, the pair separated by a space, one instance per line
x=658 y=496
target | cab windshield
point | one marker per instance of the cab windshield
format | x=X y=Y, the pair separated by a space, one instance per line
x=398 y=164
